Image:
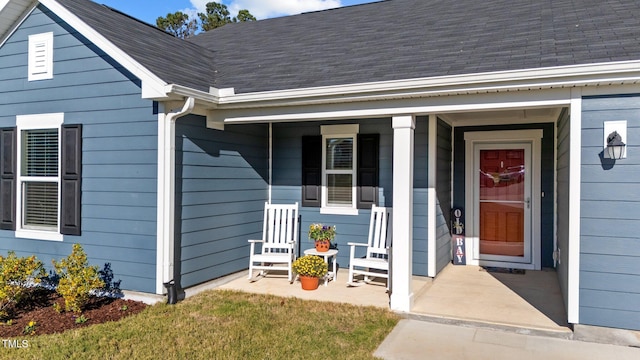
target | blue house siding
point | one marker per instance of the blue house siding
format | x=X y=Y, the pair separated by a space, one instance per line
x=119 y=148
x=221 y=186
x=562 y=216
x=287 y=179
x=610 y=210
x=546 y=178
x=443 y=192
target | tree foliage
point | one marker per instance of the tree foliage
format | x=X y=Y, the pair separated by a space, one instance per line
x=215 y=16
x=178 y=24
x=244 y=15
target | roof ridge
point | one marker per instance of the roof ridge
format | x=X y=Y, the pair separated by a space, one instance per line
x=130 y=16
x=338 y=8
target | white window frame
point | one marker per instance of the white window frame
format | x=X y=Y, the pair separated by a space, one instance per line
x=339 y=131
x=34 y=122
x=40 y=62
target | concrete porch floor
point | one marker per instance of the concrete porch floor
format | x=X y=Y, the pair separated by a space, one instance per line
x=529 y=302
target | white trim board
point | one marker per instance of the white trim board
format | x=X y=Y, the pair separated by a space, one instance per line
x=392 y=107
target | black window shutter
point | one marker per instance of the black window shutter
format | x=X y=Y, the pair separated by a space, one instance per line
x=311 y=171
x=71 y=179
x=368 y=170
x=8 y=178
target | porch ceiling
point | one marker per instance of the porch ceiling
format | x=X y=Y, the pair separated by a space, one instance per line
x=527 y=115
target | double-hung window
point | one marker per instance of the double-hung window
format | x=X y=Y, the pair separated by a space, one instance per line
x=339 y=171
x=38 y=187
x=41 y=177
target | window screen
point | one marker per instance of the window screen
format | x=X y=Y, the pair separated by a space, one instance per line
x=39 y=170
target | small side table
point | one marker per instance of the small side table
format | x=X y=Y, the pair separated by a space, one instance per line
x=331 y=253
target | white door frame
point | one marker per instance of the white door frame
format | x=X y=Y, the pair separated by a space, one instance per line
x=534 y=137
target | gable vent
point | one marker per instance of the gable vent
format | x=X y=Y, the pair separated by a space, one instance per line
x=41 y=56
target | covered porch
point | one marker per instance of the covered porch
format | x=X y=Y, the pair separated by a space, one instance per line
x=529 y=301
x=421 y=172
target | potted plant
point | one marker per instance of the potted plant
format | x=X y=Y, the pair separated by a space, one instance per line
x=310 y=269
x=322 y=235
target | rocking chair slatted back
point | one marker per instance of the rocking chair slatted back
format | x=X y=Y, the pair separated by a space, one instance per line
x=376 y=261
x=379 y=232
x=280 y=225
x=279 y=240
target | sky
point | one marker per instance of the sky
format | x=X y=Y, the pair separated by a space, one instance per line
x=149 y=10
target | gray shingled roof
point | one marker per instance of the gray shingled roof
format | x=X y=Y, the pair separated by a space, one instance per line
x=400 y=39
x=387 y=40
x=173 y=60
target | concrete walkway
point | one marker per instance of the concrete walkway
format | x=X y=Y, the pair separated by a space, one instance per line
x=414 y=339
x=465 y=313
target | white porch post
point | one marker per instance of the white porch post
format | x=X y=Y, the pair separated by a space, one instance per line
x=402 y=267
x=432 y=195
x=575 y=161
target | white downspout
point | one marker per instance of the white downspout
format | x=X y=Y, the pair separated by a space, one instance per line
x=166 y=192
x=270 y=159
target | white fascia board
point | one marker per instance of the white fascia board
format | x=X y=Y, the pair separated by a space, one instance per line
x=513 y=80
x=152 y=86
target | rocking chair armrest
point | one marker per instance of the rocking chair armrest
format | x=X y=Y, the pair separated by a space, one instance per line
x=255 y=241
x=357 y=244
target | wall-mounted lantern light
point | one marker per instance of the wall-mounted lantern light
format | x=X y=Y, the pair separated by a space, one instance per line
x=615 y=146
x=615 y=132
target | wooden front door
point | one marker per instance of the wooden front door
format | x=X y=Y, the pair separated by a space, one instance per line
x=503 y=202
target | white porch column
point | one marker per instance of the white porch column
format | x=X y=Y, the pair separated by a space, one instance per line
x=401 y=264
x=575 y=161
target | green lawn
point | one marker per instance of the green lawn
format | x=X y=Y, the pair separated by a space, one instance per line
x=224 y=325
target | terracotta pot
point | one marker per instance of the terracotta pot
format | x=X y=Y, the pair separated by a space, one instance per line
x=309 y=282
x=322 y=245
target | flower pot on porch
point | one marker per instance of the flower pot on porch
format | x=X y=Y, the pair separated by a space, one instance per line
x=323 y=245
x=309 y=282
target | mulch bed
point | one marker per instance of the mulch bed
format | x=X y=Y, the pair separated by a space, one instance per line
x=38 y=307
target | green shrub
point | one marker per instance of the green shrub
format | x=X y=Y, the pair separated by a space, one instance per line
x=77 y=279
x=16 y=274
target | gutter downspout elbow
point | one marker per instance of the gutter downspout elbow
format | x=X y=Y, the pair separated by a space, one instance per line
x=187 y=108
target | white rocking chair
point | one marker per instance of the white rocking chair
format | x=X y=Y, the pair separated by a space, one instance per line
x=279 y=240
x=375 y=264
